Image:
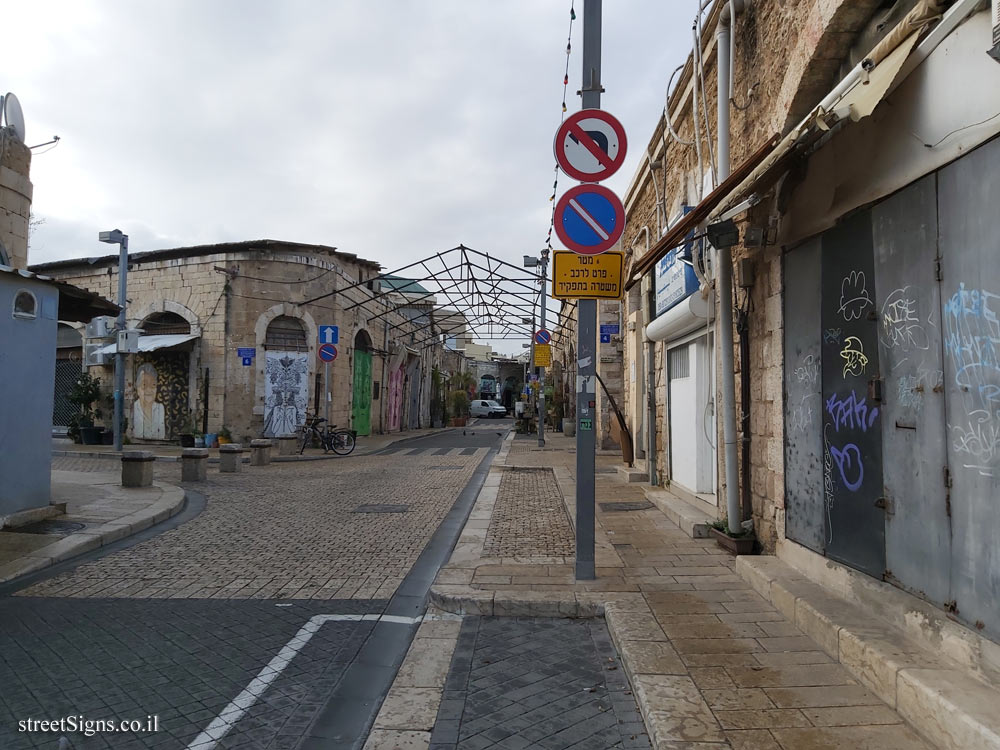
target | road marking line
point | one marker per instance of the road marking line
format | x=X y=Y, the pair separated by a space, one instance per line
x=598 y=229
x=237 y=709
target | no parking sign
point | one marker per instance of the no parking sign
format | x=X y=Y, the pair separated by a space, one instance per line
x=590 y=219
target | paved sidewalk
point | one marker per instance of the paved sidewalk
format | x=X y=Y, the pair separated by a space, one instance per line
x=103 y=510
x=710 y=661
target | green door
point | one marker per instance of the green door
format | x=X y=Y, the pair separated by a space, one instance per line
x=362 y=401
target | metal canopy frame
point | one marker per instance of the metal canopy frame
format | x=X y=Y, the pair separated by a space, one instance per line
x=483 y=294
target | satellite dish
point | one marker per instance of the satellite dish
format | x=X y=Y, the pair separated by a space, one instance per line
x=13 y=116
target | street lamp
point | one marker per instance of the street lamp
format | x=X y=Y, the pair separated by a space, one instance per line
x=532 y=262
x=116 y=237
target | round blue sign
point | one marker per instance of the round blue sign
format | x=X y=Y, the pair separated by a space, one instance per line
x=590 y=219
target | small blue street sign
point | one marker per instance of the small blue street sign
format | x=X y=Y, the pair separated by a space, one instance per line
x=605 y=338
x=246 y=352
x=612 y=329
x=247 y=361
x=329 y=335
x=327 y=352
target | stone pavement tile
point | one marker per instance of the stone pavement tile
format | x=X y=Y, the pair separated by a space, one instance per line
x=426 y=664
x=794 y=643
x=788 y=658
x=707 y=678
x=636 y=626
x=733 y=699
x=851 y=716
x=720 y=660
x=829 y=695
x=715 y=645
x=389 y=739
x=651 y=657
x=793 y=676
x=752 y=739
x=892 y=737
x=768 y=718
x=712 y=630
x=409 y=708
x=675 y=711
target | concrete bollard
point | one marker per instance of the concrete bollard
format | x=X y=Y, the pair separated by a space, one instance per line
x=137 y=468
x=260 y=452
x=194 y=464
x=231 y=458
x=288 y=444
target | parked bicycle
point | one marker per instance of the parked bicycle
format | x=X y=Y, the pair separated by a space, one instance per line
x=340 y=442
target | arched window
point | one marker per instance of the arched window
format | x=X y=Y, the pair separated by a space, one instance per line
x=363 y=341
x=287 y=334
x=25 y=305
x=164 y=323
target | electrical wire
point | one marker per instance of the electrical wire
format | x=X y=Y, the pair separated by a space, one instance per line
x=562 y=118
x=666 y=110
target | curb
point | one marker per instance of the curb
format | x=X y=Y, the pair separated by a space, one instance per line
x=170 y=504
x=939 y=698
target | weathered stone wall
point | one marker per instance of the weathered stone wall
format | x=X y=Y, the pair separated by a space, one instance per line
x=15 y=198
x=789 y=55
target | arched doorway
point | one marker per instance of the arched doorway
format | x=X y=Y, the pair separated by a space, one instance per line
x=361 y=399
x=160 y=410
x=286 y=377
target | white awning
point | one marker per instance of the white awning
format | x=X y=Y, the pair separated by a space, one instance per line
x=152 y=343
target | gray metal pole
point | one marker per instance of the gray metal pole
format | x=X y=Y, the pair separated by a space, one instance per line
x=541 y=370
x=587 y=332
x=327 y=396
x=725 y=281
x=120 y=356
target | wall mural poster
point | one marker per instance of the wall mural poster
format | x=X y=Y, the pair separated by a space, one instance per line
x=286 y=392
x=160 y=409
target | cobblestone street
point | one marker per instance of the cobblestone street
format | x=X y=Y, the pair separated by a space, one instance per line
x=237 y=627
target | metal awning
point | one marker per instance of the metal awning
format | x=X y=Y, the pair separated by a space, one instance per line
x=152 y=343
x=676 y=235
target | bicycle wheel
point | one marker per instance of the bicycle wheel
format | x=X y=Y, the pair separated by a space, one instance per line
x=305 y=439
x=343 y=442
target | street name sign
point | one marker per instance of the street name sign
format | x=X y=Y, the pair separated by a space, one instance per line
x=246 y=354
x=327 y=352
x=543 y=355
x=329 y=334
x=542 y=336
x=577 y=276
x=590 y=145
x=589 y=219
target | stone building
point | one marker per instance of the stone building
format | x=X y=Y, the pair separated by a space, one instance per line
x=812 y=309
x=230 y=336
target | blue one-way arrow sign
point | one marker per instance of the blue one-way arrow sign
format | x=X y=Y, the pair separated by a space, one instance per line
x=329 y=335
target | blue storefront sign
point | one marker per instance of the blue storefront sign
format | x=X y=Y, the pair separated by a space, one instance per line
x=675 y=276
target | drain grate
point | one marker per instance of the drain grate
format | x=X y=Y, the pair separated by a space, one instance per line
x=638 y=505
x=382 y=508
x=60 y=528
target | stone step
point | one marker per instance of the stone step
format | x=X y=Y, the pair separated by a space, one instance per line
x=631 y=475
x=952 y=705
x=689 y=519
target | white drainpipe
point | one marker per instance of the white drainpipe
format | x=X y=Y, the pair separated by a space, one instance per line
x=723 y=47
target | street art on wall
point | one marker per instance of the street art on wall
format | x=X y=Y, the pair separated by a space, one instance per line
x=160 y=409
x=286 y=391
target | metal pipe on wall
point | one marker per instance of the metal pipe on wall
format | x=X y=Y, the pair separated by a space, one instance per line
x=723 y=37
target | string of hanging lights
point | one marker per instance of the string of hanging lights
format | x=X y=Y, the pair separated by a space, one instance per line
x=555 y=181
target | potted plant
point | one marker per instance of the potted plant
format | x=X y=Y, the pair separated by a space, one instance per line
x=459 y=402
x=187 y=437
x=225 y=436
x=740 y=542
x=84 y=393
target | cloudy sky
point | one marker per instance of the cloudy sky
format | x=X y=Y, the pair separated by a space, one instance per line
x=388 y=128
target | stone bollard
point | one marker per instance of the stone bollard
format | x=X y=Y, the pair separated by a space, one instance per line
x=137 y=468
x=288 y=444
x=231 y=458
x=194 y=464
x=260 y=452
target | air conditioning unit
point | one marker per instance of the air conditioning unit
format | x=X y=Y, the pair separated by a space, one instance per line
x=102 y=327
x=90 y=356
